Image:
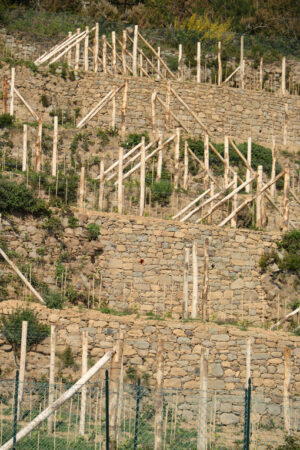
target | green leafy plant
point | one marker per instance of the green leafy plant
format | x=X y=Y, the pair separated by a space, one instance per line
x=54 y=300
x=93 y=231
x=72 y=222
x=11 y=327
x=45 y=101
x=290 y=443
x=6 y=120
x=67 y=357
x=161 y=191
x=135 y=138
x=53 y=226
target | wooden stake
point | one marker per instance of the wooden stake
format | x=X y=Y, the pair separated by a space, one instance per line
x=22 y=364
x=206 y=160
x=249 y=157
x=202 y=427
x=114 y=52
x=205 y=282
x=104 y=53
x=96 y=47
x=198 y=62
x=186 y=166
x=113 y=113
x=101 y=185
x=235 y=200
x=273 y=172
x=157 y=56
x=176 y=158
x=142 y=178
x=283 y=76
x=195 y=280
x=12 y=91
x=158 y=63
x=153 y=111
x=242 y=67
x=259 y=198
x=180 y=62
x=69 y=54
x=134 y=50
x=4 y=94
x=186 y=283
x=86 y=50
x=286 y=384
x=81 y=187
x=38 y=146
x=24 y=158
x=116 y=382
x=124 y=42
x=83 y=390
x=52 y=375
x=77 y=52
x=54 y=152
x=158 y=433
x=160 y=158
x=226 y=161
x=123 y=110
x=285 y=124
x=261 y=74
x=167 y=116
x=120 y=181
x=286 y=193
x=219 y=64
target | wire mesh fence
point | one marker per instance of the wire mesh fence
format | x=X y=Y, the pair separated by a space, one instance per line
x=188 y=416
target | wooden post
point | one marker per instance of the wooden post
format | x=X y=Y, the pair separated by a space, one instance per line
x=242 y=67
x=285 y=124
x=120 y=181
x=81 y=187
x=124 y=42
x=69 y=54
x=226 y=161
x=249 y=158
x=211 y=194
x=202 y=417
x=206 y=161
x=123 y=110
x=160 y=158
x=158 y=433
x=22 y=363
x=54 y=151
x=205 y=282
x=101 y=185
x=4 y=94
x=77 y=52
x=286 y=384
x=83 y=390
x=186 y=283
x=286 y=193
x=114 y=52
x=113 y=113
x=180 y=62
x=167 y=116
x=24 y=159
x=273 y=172
x=38 y=146
x=142 y=178
x=219 y=64
x=248 y=362
x=198 y=62
x=52 y=375
x=195 y=280
x=96 y=47
x=104 y=53
x=259 y=198
x=86 y=50
x=186 y=166
x=12 y=91
x=115 y=385
x=261 y=74
x=176 y=158
x=153 y=111
x=134 y=51
x=234 y=200
x=283 y=76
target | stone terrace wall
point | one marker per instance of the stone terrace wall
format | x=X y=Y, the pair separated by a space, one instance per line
x=223 y=110
x=182 y=346
x=141 y=266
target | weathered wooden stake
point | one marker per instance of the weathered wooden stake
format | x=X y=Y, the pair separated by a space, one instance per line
x=101 y=185
x=77 y=52
x=261 y=73
x=114 y=52
x=96 y=47
x=234 y=200
x=158 y=441
x=123 y=110
x=186 y=283
x=158 y=63
x=259 y=198
x=167 y=113
x=86 y=50
x=38 y=146
x=83 y=390
x=116 y=385
x=202 y=426
x=22 y=363
x=242 y=67
x=24 y=158
x=286 y=193
x=113 y=113
x=206 y=161
x=198 y=62
x=249 y=157
x=81 y=187
x=124 y=42
x=285 y=124
x=195 y=280
x=205 y=282
x=186 y=166
x=180 y=62
x=176 y=158
x=226 y=161
x=283 y=76
x=4 y=94
x=160 y=158
x=153 y=111
x=273 y=172
x=12 y=91
x=52 y=375
x=69 y=53
x=142 y=178
x=286 y=384
x=104 y=53
x=134 y=51
x=54 y=151
x=219 y=64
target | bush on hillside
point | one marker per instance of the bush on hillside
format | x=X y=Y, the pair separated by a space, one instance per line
x=6 y=120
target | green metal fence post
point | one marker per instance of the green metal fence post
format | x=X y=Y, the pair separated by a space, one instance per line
x=247 y=416
x=107 y=409
x=16 y=409
x=138 y=394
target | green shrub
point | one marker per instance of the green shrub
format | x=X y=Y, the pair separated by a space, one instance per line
x=93 y=231
x=290 y=443
x=104 y=136
x=53 y=225
x=11 y=327
x=290 y=242
x=17 y=198
x=67 y=357
x=54 y=300
x=161 y=191
x=6 y=120
x=72 y=222
x=290 y=259
x=134 y=139
x=46 y=102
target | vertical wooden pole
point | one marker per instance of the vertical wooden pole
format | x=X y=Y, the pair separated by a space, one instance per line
x=186 y=166
x=198 y=62
x=248 y=362
x=261 y=73
x=54 y=151
x=22 y=363
x=123 y=110
x=186 y=283
x=176 y=158
x=285 y=124
x=141 y=65
x=12 y=91
x=195 y=280
x=120 y=181
x=286 y=191
x=167 y=116
x=69 y=54
x=124 y=43
x=86 y=50
x=180 y=62
x=202 y=417
x=113 y=113
x=226 y=158
x=286 y=384
x=38 y=146
x=24 y=159
x=96 y=48
x=206 y=161
x=81 y=187
x=249 y=159
x=101 y=185
x=160 y=158
x=104 y=53
x=242 y=67
x=142 y=178
x=77 y=52
x=51 y=375
x=4 y=94
x=158 y=433
x=273 y=172
x=116 y=363
x=134 y=51
x=234 y=200
x=158 y=63
x=205 y=282
x=114 y=52
x=259 y=198
x=219 y=64
x=283 y=76
x=211 y=194
x=153 y=111
x=83 y=389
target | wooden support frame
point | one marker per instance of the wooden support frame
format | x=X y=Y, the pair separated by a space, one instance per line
x=77 y=50
x=123 y=45
x=134 y=50
x=54 y=150
x=249 y=159
x=84 y=368
x=163 y=104
x=24 y=156
x=226 y=161
x=124 y=109
x=96 y=48
x=273 y=171
x=176 y=158
x=192 y=203
x=104 y=53
x=142 y=177
x=198 y=62
x=242 y=67
x=160 y=158
x=231 y=75
x=51 y=375
x=120 y=181
x=186 y=283
x=157 y=56
x=186 y=166
x=219 y=64
x=235 y=199
x=259 y=198
x=195 y=281
x=203 y=166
